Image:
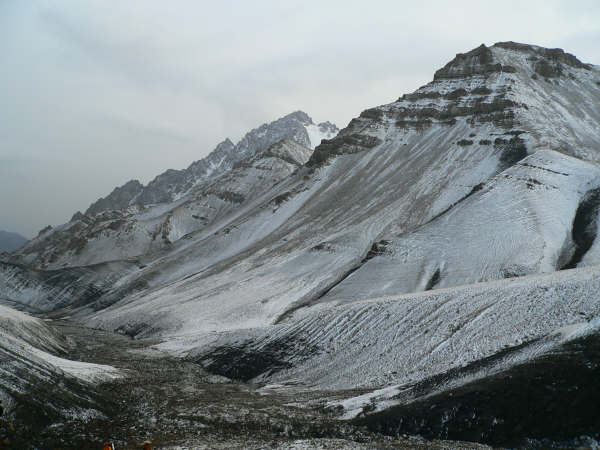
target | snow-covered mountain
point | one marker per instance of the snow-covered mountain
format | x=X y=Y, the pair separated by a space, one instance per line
x=273 y=263
x=174 y=184
x=135 y=220
x=447 y=167
x=460 y=143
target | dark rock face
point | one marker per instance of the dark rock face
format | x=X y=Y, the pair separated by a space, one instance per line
x=513 y=150
x=585 y=225
x=328 y=127
x=546 y=62
x=547 y=69
x=445 y=101
x=45 y=230
x=556 y=55
x=479 y=61
x=119 y=198
x=350 y=143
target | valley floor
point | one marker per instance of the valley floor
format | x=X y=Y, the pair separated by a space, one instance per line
x=176 y=404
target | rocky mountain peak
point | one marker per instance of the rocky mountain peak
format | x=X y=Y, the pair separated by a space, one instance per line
x=479 y=61
x=120 y=198
x=289 y=151
x=495 y=85
x=300 y=116
x=173 y=184
x=546 y=62
x=226 y=145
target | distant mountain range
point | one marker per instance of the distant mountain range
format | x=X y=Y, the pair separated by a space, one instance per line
x=9 y=242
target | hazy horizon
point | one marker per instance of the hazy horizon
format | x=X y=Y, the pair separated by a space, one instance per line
x=94 y=96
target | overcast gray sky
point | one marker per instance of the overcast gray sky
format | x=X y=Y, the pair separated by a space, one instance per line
x=95 y=93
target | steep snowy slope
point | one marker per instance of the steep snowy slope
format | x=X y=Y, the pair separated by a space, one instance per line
x=34 y=380
x=391 y=171
x=518 y=223
x=38 y=292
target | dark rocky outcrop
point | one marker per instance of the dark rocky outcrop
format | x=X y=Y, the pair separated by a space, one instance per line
x=546 y=62
x=498 y=110
x=557 y=55
x=512 y=150
x=479 y=61
x=247 y=361
x=45 y=230
x=585 y=227
x=349 y=143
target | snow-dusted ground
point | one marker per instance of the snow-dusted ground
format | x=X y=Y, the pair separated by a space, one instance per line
x=390 y=342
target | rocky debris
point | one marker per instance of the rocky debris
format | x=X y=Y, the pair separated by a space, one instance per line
x=175 y=404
